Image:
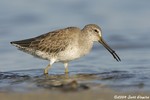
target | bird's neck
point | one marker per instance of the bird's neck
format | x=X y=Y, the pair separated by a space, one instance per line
x=85 y=44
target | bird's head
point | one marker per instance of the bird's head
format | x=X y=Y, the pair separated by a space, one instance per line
x=95 y=33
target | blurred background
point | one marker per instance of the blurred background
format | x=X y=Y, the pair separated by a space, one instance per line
x=125 y=25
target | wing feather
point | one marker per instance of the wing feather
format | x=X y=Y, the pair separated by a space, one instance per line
x=51 y=42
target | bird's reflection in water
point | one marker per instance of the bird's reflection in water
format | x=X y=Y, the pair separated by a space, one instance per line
x=63 y=82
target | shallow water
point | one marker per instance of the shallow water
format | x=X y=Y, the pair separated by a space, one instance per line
x=125 y=26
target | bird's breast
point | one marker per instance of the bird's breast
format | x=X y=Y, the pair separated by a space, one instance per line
x=70 y=53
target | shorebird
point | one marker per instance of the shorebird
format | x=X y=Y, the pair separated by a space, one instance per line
x=64 y=45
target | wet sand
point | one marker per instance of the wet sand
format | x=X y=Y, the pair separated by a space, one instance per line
x=101 y=94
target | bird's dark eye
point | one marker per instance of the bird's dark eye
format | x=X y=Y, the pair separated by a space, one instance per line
x=95 y=30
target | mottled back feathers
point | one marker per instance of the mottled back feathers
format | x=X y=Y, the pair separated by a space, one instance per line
x=52 y=42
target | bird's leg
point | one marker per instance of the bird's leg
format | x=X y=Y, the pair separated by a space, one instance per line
x=46 y=69
x=49 y=65
x=66 y=67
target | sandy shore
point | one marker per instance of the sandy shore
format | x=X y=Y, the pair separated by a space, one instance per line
x=103 y=94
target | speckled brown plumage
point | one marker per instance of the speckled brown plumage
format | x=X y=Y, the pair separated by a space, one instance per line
x=51 y=42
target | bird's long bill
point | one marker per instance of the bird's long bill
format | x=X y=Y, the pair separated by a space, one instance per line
x=109 y=49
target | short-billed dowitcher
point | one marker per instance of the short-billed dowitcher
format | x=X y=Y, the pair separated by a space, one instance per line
x=64 y=45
